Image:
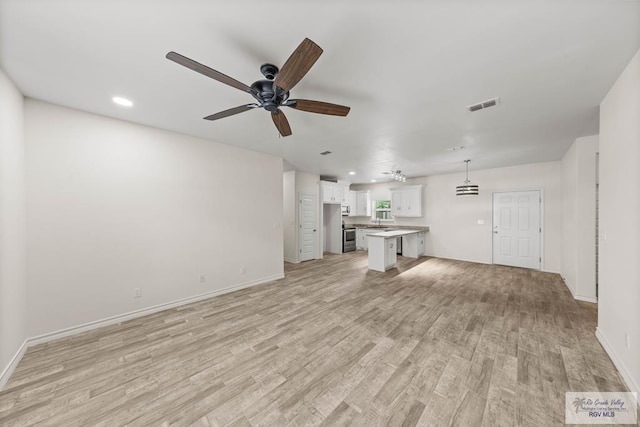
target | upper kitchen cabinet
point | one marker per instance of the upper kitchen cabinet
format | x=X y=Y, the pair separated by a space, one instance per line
x=351 y=198
x=345 y=193
x=331 y=192
x=363 y=203
x=406 y=201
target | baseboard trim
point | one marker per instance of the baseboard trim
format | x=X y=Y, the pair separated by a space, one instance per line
x=455 y=259
x=291 y=260
x=119 y=318
x=113 y=320
x=13 y=363
x=626 y=376
x=569 y=286
x=586 y=299
x=573 y=293
x=486 y=263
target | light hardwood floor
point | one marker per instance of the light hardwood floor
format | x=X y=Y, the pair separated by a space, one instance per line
x=435 y=342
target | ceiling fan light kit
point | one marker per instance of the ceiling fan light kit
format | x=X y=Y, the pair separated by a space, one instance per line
x=398 y=176
x=467 y=189
x=273 y=92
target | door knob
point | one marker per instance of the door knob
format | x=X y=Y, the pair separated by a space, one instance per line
x=495 y=232
x=315 y=230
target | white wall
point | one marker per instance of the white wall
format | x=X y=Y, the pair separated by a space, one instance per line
x=12 y=222
x=289 y=227
x=619 y=269
x=454 y=231
x=579 y=217
x=112 y=206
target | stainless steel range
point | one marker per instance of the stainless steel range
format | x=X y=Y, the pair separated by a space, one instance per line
x=348 y=239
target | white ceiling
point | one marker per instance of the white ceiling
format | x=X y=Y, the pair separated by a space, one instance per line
x=407 y=69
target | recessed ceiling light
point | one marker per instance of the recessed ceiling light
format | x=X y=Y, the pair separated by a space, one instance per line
x=373 y=180
x=352 y=173
x=122 y=101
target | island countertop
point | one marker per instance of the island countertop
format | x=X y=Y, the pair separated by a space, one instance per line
x=395 y=233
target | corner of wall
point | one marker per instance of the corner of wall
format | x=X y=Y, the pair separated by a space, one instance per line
x=617 y=361
x=569 y=285
x=12 y=365
x=13 y=240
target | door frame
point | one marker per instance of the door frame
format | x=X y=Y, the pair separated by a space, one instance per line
x=299 y=227
x=541 y=216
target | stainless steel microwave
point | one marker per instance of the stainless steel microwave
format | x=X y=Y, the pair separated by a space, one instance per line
x=346 y=209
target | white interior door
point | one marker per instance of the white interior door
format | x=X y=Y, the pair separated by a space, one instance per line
x=307 y=226
x=516 y=229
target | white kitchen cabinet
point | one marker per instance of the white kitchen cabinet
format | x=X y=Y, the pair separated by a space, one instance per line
x=331 y=192
x=345 y=196
x=361 y=239
x=390 y=255
x=406 y=201
x=363 y=203
x=397 y=202
x=382 y=253
x=337 y=194
x=351 y=200
x=367 y=234
x=422 y=243
x=413 y=245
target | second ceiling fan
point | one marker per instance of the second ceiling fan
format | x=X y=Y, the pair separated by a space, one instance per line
x=273 y=92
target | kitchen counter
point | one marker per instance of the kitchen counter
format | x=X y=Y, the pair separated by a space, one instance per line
x=424 y=228
x=394 y=233
x=382 y=247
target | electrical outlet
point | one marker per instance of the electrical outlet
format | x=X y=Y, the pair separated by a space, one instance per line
x=137 y=292
x=203 y=278
x=627 y=339
x=243 y=270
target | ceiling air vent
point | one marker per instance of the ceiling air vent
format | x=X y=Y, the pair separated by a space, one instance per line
x=324 y=153
x=484 y=104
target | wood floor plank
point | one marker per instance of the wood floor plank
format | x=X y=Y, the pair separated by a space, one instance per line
x=470 y=411
x=433 y=342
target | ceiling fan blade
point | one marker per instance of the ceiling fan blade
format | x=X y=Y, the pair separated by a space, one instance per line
x=298 y=64
x=231 y=112
x=318 y=107
x=209 y=72
x=281 y=122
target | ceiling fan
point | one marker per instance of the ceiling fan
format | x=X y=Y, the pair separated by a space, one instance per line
x=273 y=92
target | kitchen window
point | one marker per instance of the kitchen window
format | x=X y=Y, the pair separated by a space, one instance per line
x=382 y=210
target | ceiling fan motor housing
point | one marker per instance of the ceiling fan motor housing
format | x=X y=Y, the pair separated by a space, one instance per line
x=266 y=91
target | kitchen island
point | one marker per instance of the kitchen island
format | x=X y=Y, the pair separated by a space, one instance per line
x=382 y=247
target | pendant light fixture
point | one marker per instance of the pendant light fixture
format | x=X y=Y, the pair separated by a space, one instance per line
x=467 y=189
